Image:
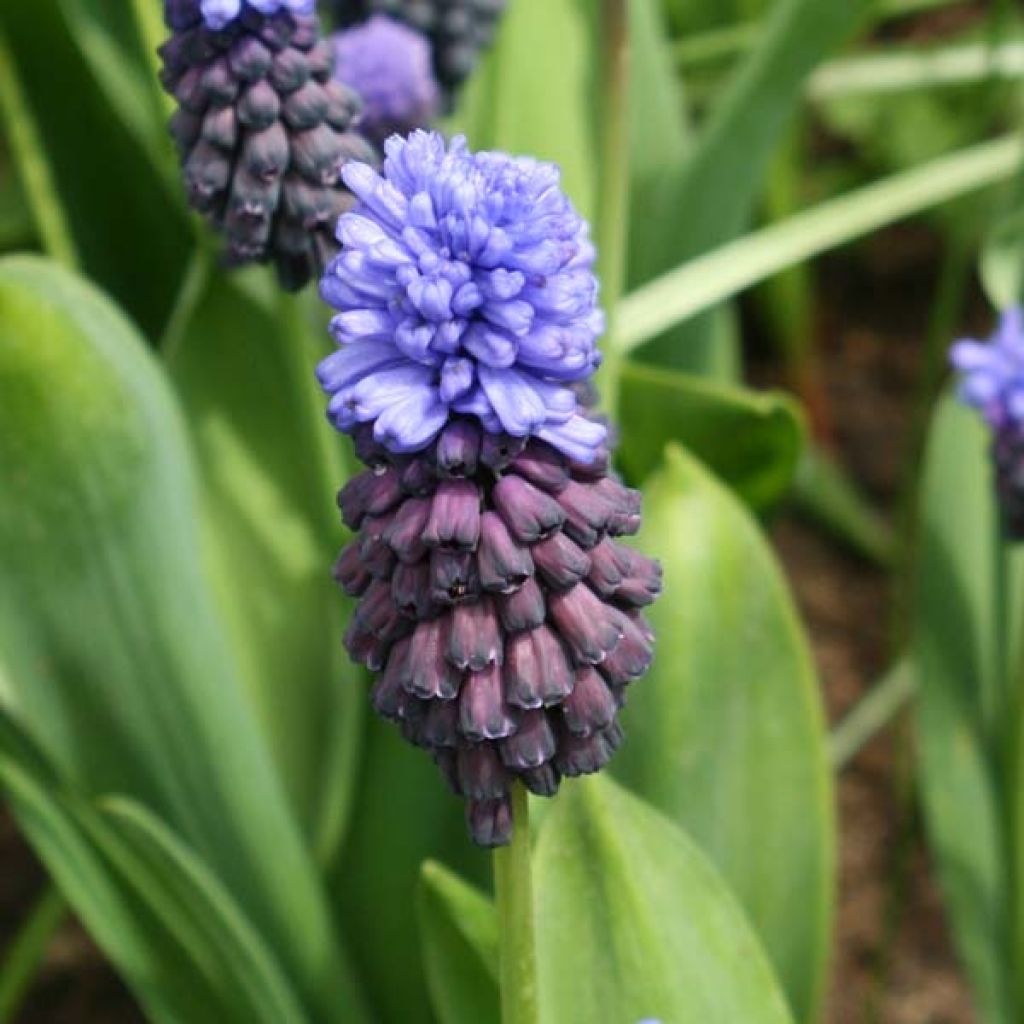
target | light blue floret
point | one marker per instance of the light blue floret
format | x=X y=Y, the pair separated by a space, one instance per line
x=464 y=287
x=992 y=372
x=219 y=13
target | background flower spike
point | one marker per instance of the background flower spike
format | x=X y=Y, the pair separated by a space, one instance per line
x=262 y=128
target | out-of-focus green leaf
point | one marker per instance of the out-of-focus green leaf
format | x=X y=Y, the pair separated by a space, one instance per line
x=1002 y=261
x=271 y=464
x=958 y=663
x=712 y=195
x=130 y=234
x=169 y=927
x=459 y=928
x=404 y=815
x=113 y=653
x=509 y=106
x=633 y=922
x=107 y=36
x=726 y=734
x=751 y=440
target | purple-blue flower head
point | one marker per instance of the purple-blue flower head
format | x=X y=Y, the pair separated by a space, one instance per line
x=217 y=14
x=992 y=381
x=992 y=372
x=464 y=287
x=390 y=66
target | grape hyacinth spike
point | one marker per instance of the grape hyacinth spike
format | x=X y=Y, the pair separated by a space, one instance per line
x=992 y=381
x=496 y=604
x=262 y=128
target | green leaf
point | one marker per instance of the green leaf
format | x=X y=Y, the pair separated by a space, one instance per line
x=509 y=106
x=130 y=234
x=404 y=814
x=243 y=366
x=957 y=660
x=751 y=440
x=711 y=196
x=703 y=282
x=168 y=926
x=633 y=922
x=726 y=734
x=1002 y=261
x=113 y=651
x=459 y=928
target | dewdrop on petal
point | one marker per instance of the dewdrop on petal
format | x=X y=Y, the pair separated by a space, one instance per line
x=502 y=616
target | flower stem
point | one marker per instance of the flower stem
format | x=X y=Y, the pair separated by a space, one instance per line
x=613 y=210
x=513 y=887
x=24 y=956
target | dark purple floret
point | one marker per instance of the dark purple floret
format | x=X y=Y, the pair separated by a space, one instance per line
x=502 y=618
x=262 y=129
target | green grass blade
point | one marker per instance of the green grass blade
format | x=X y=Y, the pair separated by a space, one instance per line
x=708 y=280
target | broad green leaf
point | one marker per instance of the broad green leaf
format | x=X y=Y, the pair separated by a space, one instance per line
x=512 y=107
x=633 y=922
x=711 y=196
x=130 y=234
x=957 y=661
x=404 y=815
x=271 y=465
x=726 y=734
x=459 y=929
x=114 y=654
x=751 y=440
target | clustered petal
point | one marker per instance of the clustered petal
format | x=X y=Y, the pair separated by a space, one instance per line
x=499 y=610
x=464 y=288
x=458 y=31
x=992 y=381
x=389 y=65
x=262 y=127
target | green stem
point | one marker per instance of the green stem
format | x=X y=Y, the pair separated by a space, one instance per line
x=613 y=211
x=513 y=886
x=25 y=954
x=33 y=169
x=872 y=714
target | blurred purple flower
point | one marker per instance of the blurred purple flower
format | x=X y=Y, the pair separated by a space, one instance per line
x=388 y=64
x=262 y=129
x=992 y=371
x=992 y=381
x=464 y=288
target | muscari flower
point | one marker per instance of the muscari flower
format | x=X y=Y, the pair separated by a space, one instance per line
x=262 y=128
x=992 y=381
x=502 y=615
x=458 y=31
x=388 y=64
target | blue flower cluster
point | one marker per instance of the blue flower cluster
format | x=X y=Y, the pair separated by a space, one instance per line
x=464 y=287
x=992 y=372
x=217 y=14
x=389 y=65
